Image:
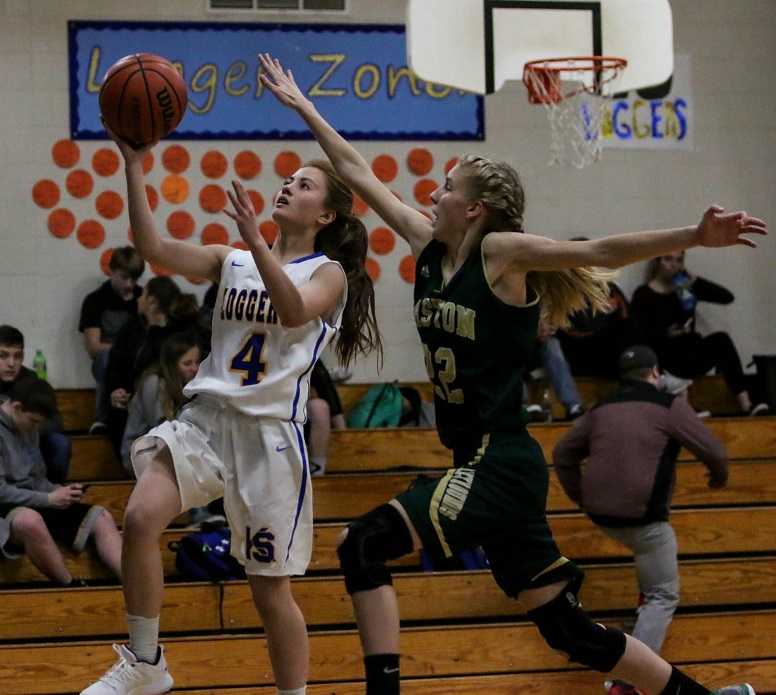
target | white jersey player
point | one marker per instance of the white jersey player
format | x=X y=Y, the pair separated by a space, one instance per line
x=241 y=436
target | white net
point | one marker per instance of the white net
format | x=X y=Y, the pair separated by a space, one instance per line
x=576 y=111
x=575 y=125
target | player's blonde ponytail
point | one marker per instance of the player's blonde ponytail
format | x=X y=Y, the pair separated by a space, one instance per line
x=562 y=292
x=345 y=240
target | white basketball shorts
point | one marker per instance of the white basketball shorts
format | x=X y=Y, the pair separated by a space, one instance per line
x=258 y=465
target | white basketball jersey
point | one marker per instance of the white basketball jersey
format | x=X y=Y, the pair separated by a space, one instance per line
x=255 y=364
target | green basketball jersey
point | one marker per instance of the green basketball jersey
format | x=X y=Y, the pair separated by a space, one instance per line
x=475 y=347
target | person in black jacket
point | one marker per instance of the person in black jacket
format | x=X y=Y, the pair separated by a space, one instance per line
x=664 y=310
x=162 y=311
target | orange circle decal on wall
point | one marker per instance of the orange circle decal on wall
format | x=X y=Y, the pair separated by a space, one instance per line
x=247 y=164
x=152 y=196
x=240 y=244
x=257 y=200
x=90 y=234
x=213 y=164
x=79 y=183
x=180 y=224
x=105 y=162
x=385 y=167
x=372 y=269
x=175 y=159
x=109 y=204
x=105 y=257
x=45 y=193
x=61 y=223
x=148 y=162
x=423 y=190
x=269 y=230
x=360 y=208
x=214 y=233
x=212 y=198
x=65 y=153
x=420 y=161
x=407 y=269
x=175 y=189
x=450 y=163
x=286 y=163
x=382 y=241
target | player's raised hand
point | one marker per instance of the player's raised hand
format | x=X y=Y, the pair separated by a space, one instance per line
x=129 y=153
x=281 y=82
x=244 y=215
x=719 y=228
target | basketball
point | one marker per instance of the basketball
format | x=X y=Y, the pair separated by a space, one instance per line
x=142 y=98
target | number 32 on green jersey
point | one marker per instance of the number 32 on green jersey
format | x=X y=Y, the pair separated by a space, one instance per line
x=441 y=369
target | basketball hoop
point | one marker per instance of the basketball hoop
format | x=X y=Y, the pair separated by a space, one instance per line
x=574 y=92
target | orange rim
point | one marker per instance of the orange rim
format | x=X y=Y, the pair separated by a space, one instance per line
x=542 y=77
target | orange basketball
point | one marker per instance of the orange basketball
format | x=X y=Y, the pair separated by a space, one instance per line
x=142 y=98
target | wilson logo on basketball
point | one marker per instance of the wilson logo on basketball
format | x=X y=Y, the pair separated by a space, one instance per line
x=164 y=99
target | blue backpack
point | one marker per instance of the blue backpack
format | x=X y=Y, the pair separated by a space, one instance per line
x=205 y=555
x=380 y=406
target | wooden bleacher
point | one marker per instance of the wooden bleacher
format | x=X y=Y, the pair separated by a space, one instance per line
x=348 y=495
x=707 y=393
x=470 y=637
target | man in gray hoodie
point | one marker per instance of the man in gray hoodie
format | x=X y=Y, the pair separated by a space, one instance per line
x=630 y=443
x=33 y=510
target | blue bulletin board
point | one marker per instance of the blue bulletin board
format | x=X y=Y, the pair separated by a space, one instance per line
x=356 y=74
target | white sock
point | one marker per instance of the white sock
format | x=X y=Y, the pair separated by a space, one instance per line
x=295 y=691
x=143 y=637
x=317 y=467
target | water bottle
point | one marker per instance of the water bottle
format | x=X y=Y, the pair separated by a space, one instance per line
x=39 y=365
x=546 y=403
x=686 y=297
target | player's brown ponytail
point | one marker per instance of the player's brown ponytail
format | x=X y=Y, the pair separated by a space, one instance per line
x=345 y=240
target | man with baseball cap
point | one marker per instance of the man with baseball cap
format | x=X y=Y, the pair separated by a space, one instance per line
x=630 y=443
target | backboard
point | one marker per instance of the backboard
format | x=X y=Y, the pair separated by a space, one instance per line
x=477 y=45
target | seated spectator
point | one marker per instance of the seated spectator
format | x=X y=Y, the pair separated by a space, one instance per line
x=162 y=311
x=33 y=510
x=664 y=309
x=159 y=394
x=324 y=413
x=103 y=313
x=55 y=446
x=629 y=445
x=549 y=356
x=594 y=341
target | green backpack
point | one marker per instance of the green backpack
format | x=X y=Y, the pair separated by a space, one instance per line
x=380 y=406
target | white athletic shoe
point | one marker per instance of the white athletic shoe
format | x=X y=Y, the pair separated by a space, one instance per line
x=128 y=676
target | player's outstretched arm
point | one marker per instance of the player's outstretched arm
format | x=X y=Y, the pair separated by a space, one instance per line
x=294 y=305
x=407 y=222
x=178 y=256
x=527 y=252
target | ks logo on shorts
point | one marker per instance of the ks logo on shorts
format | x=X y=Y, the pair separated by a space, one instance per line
x=259 y=546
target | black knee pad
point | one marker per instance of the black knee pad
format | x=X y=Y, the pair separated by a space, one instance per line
x=372 y=539
x=567 y=628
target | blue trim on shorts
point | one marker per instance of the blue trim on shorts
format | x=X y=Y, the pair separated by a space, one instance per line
x=306 y=371
x=300 y=501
